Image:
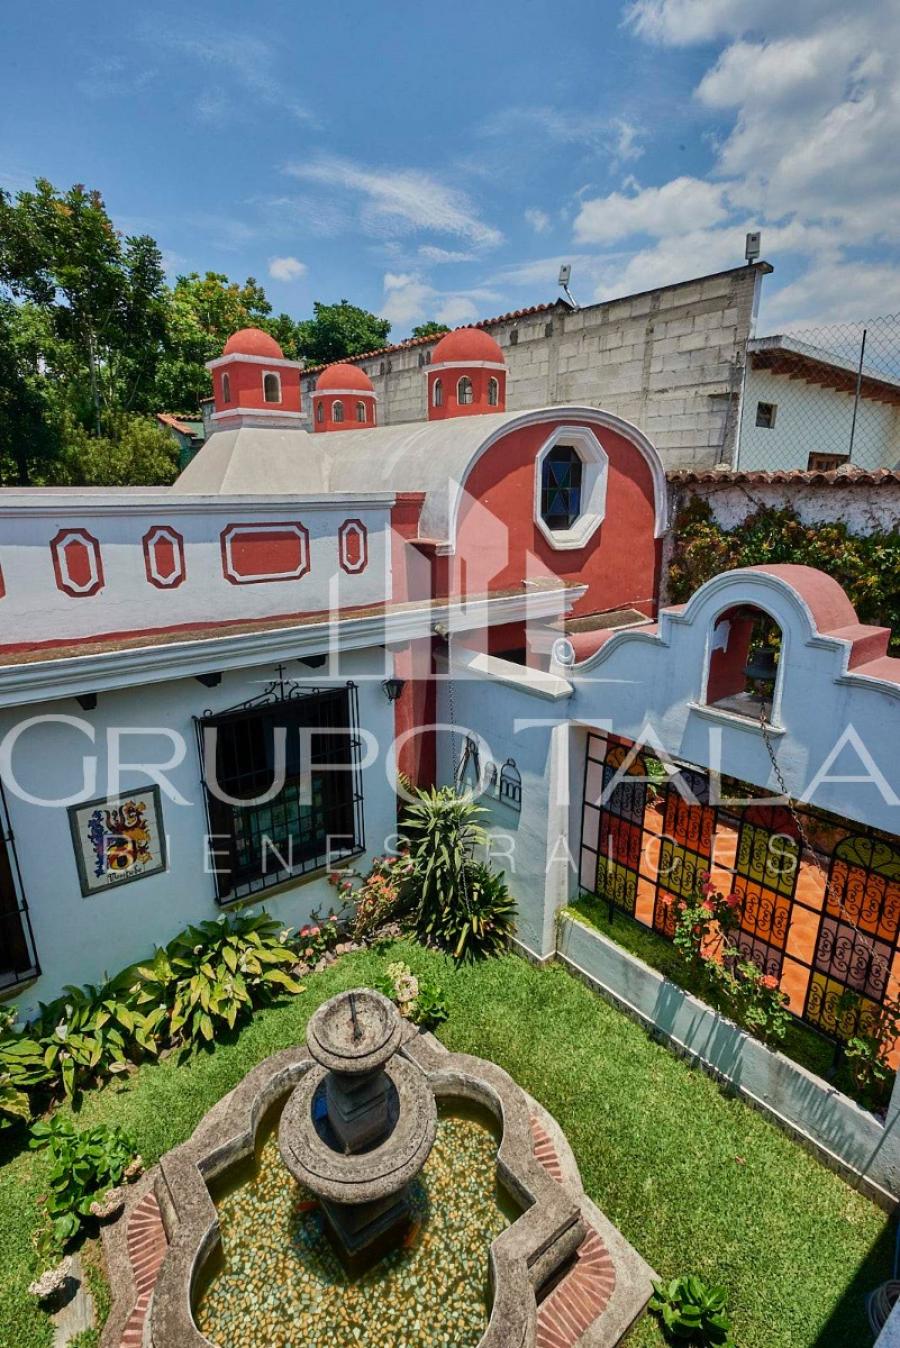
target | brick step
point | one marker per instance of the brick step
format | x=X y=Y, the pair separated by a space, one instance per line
x=145 y=1240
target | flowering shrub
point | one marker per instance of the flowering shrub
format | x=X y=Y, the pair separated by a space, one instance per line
x=376 y=898
x=420 y=1001
x=733 y=983
x=318 y=938
x=868 y=1049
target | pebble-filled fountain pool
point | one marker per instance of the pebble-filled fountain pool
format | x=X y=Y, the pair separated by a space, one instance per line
x=278 y=1283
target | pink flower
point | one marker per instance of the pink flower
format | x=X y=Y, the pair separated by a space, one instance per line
x=315 y=931
x=770 y=981
x=704 y=875
x=733 y=900
x=666 y=900
x=333 y=917
x=708 y=906
x=709 y=889
x=304 y=931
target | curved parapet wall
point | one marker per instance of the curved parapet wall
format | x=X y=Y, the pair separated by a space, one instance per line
x=559 y=1238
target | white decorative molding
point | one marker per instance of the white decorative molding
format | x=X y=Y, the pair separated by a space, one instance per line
x=594 y=473
x=345 y=393
x=235 y=356
x=52 y=679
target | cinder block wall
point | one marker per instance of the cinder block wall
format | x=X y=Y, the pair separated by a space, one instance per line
x=669 y=360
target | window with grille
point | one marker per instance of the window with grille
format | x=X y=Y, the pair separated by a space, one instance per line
x=561 y=475
x=18 y=960
x=259 y=838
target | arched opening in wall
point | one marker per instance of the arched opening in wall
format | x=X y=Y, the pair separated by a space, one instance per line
x=743 y=661
x=360 y=411
x=464 y=393
x=320 y=411
x=226 y=389
x=561 y=475
x=337 y=411
x=437 y=393
x=272 y=388
x=493 y=392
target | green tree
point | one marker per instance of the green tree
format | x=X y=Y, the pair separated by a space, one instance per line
x=429 y=329
x=202 y=313
x=340 y=330
x=28 y=436
x=104 y=294
x=136 y=453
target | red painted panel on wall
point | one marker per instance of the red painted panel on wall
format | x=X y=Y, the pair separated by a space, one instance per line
x=353 y=545
x=77 y=564
x=164 y=557
x=252 y=553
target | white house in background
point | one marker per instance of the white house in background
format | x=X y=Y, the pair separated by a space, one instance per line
x=798 y=410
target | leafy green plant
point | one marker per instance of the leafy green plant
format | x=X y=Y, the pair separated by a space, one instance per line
x=865 y=565
x=869 y=1041
x=318 y=937
x=84 y=1165
x=420 y=1001
x=461 y=904
x=214 y=974
x=693 y=1312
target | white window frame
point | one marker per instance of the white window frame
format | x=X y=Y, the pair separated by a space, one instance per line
x=594 y=475
x=437 y=393
x=271 y=374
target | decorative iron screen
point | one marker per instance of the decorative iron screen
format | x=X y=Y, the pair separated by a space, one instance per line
x=18 y=960
x=314 y=819
x=647 y=838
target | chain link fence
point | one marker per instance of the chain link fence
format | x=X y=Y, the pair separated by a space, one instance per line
x=817 y=398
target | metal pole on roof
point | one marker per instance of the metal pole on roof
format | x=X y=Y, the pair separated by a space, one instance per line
x=862 y=354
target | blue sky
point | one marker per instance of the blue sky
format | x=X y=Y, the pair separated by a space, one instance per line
x=431 y=161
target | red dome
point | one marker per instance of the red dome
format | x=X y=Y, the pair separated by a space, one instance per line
x=342 y=376
x=467 y=344
x=253 y=342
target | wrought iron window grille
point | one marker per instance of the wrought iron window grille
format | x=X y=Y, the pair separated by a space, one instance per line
x=18 y=955
x=315 y=818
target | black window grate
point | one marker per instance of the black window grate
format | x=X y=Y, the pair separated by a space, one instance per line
x=315 y=818
x=18 y=958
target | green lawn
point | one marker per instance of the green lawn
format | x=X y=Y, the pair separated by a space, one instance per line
x=695 y=1179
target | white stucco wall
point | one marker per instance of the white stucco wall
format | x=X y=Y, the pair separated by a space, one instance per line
x=35 y=609
x=812 y=419
x=864 y=508
x=81 y=940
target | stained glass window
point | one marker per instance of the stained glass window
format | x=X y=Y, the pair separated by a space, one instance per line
x=561 y=487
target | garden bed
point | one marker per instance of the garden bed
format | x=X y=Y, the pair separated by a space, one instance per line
x=695 y=1180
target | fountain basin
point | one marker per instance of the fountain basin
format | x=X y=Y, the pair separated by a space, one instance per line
x=531 y=1262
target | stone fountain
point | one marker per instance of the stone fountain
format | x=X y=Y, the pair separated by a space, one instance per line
x=317 y=1245
x=360 y=1126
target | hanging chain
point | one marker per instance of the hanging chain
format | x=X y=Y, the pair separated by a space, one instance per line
x=451 y=710
x=829 y=894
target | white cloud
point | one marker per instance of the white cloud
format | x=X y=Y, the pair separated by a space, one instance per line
x=457 y=311
x=810 y=94
x=286 y=268
x=678 y=206
x=410 y=299
x=538 y=219
x=627 y=138
x=251 y=62
x=429 y=253
x=597 y=133
x=396 y=201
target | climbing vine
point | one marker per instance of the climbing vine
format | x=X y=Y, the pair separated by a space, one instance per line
x=867 y=566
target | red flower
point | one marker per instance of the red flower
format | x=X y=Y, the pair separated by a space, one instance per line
x=704 y=875
x=304 y=931
x=709 y=889
x=708 y=906
x=733 y=900
x=314 y=931
x=770 y=981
